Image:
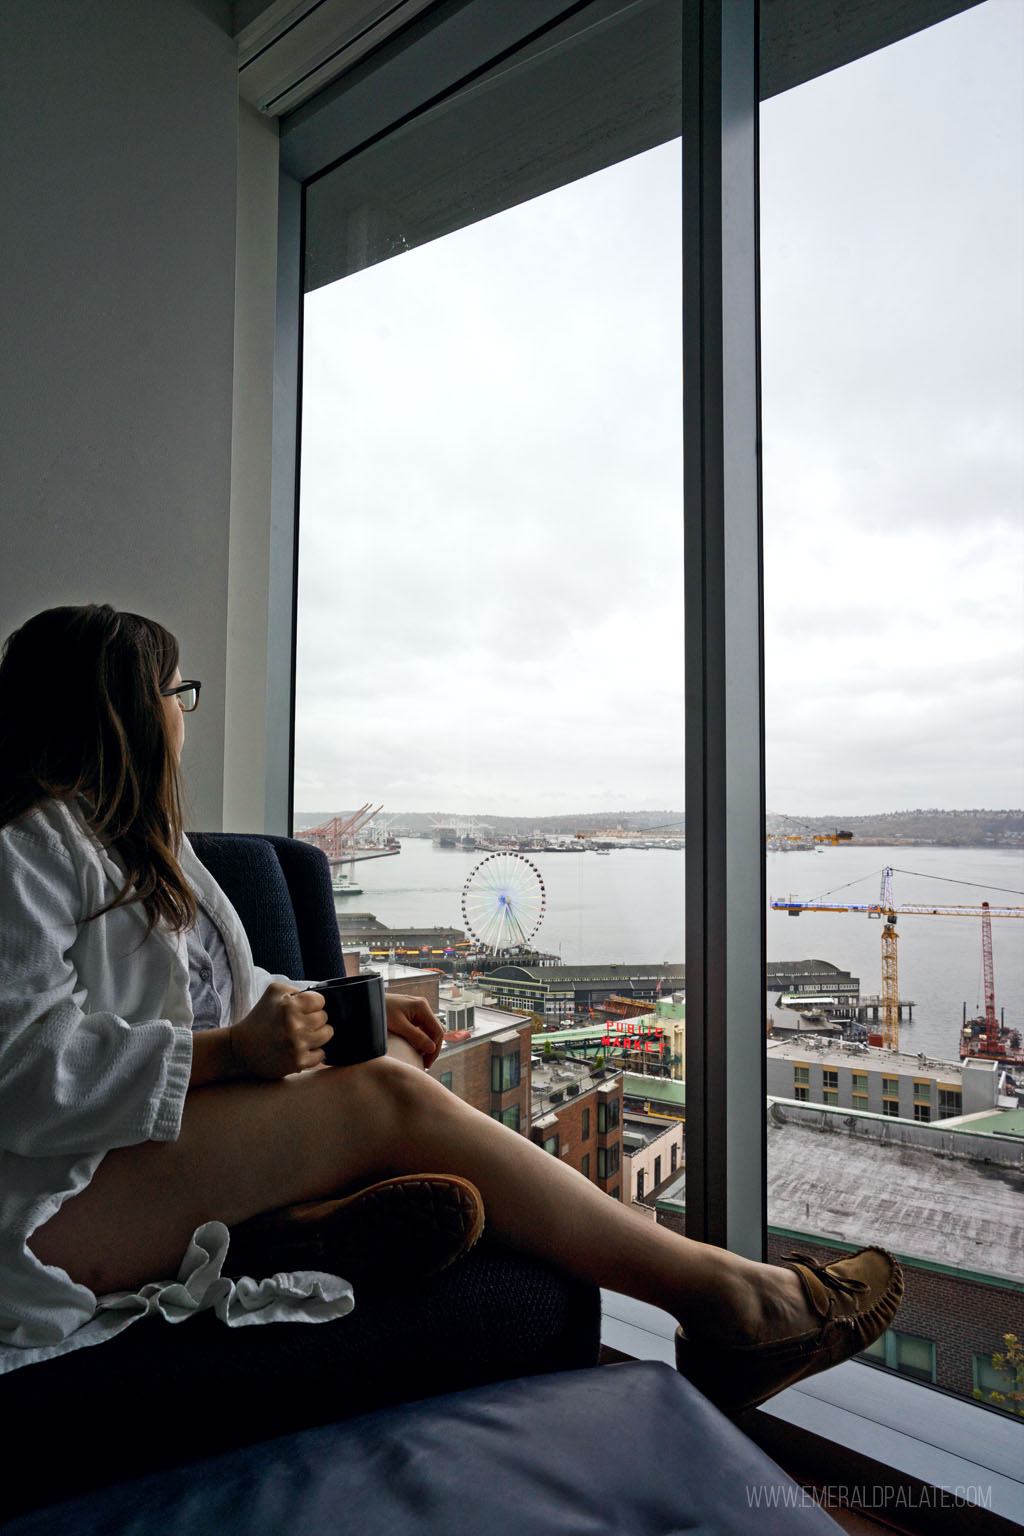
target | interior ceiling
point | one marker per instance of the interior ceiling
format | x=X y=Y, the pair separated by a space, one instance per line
x=290 y=49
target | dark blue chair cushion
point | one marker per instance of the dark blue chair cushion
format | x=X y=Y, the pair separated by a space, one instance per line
x=160 y=1395
x=249 y=871
x=308 y=877
x=281 y=890
x=630 y=1450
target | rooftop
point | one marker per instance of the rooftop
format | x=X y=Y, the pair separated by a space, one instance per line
x=486 y=1021
x=569 y=1079
x=923 y=1191
x=946 y=1197
x=549 y=973
x=989 y=1122
x=657 y=1090
x=830 y=1053
x=805 y=967
x=639 y=1131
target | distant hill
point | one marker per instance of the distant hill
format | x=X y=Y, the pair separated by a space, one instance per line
x=948 y=829
x=423 y=822
x=944 y=829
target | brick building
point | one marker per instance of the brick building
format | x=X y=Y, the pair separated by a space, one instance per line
x=490 y=1060
x=949 y=1324
x=946 y=1200
x=490 y=1068
x=407 y=979
x=577 y=1117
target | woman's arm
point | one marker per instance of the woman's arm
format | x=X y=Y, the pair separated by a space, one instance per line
x=412 y=1019
x=284 y=1033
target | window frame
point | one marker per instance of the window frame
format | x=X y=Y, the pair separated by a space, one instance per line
x=725 y=1150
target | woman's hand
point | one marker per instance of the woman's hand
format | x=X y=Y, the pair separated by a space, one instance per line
x=284 y=1033
x=412 y=1019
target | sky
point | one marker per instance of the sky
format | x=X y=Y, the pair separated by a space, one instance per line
x=490 y=562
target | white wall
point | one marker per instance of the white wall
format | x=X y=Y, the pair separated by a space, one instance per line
x=119 y=183
x=249 y=583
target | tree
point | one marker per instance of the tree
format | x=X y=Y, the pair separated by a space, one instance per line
x=1011 y=1363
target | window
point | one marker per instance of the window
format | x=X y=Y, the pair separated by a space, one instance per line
x=607 y=1115
x=551 y=1144
x=801 y=1074
x=585 y=1165
x=509 y=1117
x=640 y=1181
x=999 y=1388
x=830 y=1079
x=446 y=1080
x=505 y=1073
x=608 y=1161
x=657 y=1171
x=951 y=1103
x=829 y=1096
x=887 y=303
x=801 y=1094
x=585 y=1123
x=907 y=1353
x=674 y=1159
x=820 y=741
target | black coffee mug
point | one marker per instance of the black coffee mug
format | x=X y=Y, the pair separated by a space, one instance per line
x=356 y=1013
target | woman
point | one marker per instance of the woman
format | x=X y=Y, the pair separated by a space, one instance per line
x=131 y=1140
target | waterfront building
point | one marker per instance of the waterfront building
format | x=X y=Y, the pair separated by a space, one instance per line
x=849 y=1075
x=415 y=944
x=815 y=982
x=563 y=990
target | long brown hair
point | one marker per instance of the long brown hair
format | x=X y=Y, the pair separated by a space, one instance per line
x=81 y=715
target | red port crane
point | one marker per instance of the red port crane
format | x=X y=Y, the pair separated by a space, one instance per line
x=983 y=1037
x=337 y=837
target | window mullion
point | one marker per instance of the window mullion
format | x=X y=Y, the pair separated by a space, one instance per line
x=725 y=877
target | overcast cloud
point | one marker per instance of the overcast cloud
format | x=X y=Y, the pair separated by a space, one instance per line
x=490 y=597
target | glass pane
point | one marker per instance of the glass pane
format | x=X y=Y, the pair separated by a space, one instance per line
x=490 y=593
x=893 y=392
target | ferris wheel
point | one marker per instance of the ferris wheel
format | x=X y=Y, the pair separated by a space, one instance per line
x=503 y=901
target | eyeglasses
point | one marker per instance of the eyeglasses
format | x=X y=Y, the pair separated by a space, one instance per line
x=187 y=694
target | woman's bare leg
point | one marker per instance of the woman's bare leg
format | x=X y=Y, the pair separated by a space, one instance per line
x=247 y=1148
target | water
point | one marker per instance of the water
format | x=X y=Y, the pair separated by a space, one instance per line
x=629 y=908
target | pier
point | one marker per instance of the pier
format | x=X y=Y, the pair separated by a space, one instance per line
x=869 y=1009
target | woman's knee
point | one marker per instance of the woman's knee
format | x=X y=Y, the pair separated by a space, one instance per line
x=405 y=1089
x=387 y=1090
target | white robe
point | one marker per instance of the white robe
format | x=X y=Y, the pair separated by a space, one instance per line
x=95 y=1053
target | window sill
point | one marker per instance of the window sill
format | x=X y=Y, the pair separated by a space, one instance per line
x=954 y=1444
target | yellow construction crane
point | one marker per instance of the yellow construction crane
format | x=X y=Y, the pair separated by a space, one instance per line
x=886 y=909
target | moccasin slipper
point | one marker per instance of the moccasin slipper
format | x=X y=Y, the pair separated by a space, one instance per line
x=400 y=1229
x=855 y=1300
